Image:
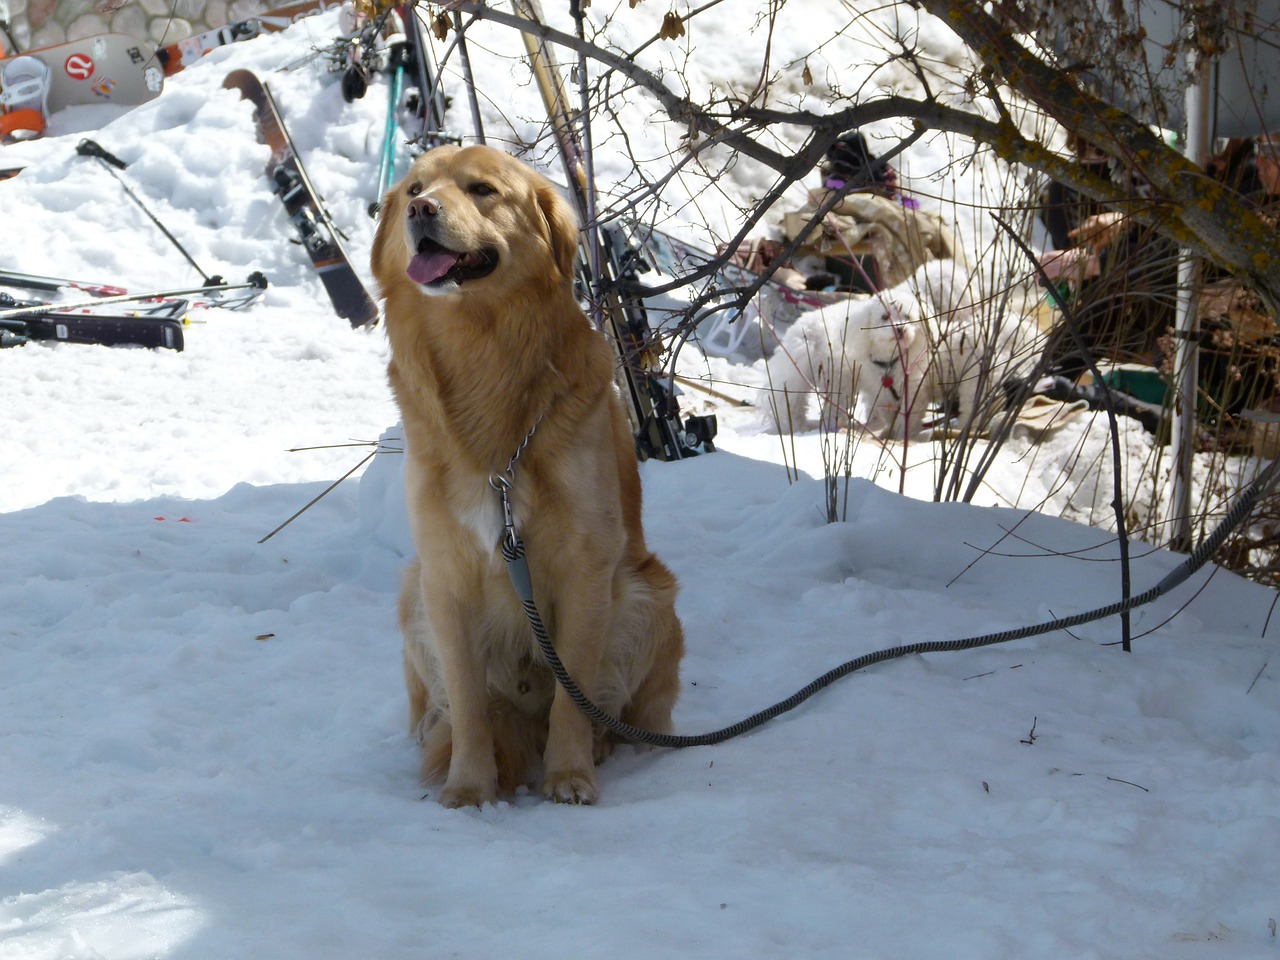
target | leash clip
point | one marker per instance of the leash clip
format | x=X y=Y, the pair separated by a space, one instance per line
x=502 y=484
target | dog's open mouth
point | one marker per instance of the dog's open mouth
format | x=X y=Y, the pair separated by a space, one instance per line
x=434 y=264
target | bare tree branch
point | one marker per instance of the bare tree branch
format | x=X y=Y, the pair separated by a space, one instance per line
x=1194 y=210
x=1202 y=212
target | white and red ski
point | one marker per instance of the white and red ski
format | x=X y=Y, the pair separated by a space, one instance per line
x=177 y=56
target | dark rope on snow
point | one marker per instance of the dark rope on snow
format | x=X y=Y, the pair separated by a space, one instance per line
x=518 y=569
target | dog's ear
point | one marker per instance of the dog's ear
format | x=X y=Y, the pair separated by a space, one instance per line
x=390 y=226
x=562 y=227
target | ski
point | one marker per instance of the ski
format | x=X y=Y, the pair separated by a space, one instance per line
x=675 y=257
x=614 y=268
x=315 y=228
x=29 y=281
x=430 y=107
x=415 y=87
x=100 y=329
x=176 y=57
x=251 y=289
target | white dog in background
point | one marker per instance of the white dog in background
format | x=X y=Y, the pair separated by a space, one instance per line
x=885 y=360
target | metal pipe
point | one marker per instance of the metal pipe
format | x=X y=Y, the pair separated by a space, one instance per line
x=1199 y=97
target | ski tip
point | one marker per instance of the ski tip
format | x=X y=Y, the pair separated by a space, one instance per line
x=246 y=81
x=360 y=310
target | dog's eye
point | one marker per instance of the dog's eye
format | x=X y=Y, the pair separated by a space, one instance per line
x=415 y=189
x=481 y=189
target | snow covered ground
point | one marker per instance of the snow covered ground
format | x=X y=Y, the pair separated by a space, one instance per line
x=203 y=750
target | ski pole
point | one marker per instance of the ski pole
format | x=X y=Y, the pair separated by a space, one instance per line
x=387 y=163
x=467 y=77
x=90 y=148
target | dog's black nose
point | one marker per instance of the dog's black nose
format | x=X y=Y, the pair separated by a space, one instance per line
x=424 y=206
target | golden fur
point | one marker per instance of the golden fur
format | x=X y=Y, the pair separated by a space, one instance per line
x=480 y=353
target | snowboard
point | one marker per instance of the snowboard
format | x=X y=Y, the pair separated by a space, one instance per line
x=108 y=68
x=312 y=223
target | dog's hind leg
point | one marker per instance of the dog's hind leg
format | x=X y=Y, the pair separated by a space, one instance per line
x=653 y=700
x=518 y=741
x=417 y=662
x=437 y=750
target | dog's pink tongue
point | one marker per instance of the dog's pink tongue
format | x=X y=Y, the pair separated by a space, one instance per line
x=428 y=267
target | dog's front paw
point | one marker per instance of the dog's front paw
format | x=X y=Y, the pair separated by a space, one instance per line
x=571 y=786
x=467 y=795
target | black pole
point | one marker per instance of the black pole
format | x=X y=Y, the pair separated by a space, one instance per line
x=468 y=77
x=90 y=148
x=4 y=26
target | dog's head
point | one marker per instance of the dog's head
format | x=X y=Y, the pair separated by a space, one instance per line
x=473 y=220
x=935 y=298
x=892 y=338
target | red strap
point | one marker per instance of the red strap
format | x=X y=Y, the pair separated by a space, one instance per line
x=25 y=119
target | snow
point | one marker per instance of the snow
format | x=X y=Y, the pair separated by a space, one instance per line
x=203 y=745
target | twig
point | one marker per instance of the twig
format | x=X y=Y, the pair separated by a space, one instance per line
x=1031 y=737
x=1270 y=610
x=1256 y=676
x=322 y=494
x=712 y=392
x=1129 y=783
x=340 y=446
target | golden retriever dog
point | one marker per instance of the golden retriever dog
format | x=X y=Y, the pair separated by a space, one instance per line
x=474 y=257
